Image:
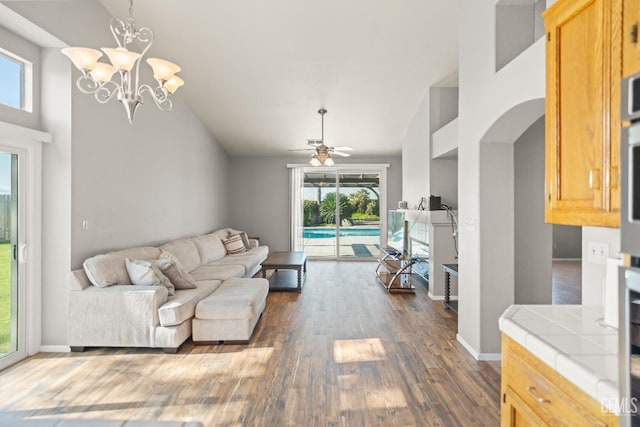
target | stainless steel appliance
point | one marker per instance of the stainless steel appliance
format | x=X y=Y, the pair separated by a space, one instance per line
x=629 y=274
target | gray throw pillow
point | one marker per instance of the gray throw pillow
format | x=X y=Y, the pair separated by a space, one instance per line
x=245 y=240
x=145 y=273
x=172 y=269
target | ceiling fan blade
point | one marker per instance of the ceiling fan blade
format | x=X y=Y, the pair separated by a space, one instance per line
x=343 y=148
x=340 y=153
x=302 y=149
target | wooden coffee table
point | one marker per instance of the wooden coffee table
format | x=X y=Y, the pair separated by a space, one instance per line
x=294 y=265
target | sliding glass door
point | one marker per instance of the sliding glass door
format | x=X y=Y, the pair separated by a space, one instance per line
x=340 y=212
x=12 y=333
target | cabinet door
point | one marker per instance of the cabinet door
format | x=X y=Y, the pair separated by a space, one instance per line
x=582 y=113
x=516 y=413
x=630 y=37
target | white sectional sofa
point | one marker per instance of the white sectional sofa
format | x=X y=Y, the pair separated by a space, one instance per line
x=106 y=310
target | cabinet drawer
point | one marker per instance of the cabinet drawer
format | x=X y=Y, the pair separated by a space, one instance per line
x=533 y=391
x=545 y=398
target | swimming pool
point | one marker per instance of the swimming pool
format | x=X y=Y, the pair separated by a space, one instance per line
x=325 y=232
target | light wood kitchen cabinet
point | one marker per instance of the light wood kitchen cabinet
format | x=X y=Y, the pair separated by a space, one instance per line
x=534 y=394
x=582 y=112
x=630 y=37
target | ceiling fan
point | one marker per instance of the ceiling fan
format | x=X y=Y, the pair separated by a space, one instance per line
x=322 y=153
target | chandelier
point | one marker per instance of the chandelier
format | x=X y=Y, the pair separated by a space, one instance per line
x=97 y=76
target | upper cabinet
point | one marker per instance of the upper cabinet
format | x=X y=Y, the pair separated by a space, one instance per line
x=583 y=72
x=630 y=37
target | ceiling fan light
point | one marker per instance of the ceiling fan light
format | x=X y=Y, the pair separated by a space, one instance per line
x=329 y=162
x=314 y=161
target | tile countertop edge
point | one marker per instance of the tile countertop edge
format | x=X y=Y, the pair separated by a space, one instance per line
x=594 y=383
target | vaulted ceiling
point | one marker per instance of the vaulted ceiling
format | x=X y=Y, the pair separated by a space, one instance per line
x=257 y=71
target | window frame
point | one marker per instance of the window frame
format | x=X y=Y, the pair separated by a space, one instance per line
x=26 y=75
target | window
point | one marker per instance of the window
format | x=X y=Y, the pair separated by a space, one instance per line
x=14 y=82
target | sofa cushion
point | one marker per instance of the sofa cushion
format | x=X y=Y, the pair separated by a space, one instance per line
x=260 y=252
x=210 y=248
x=110 y=269
x=185 y=251
x=223 y=233
x=246 y=259
x=217 y=272
x=234 y=299
x=182 y=305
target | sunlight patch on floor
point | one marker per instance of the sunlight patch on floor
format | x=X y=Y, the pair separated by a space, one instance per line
x=386 y=398
x=359 y=400
x=362 y=350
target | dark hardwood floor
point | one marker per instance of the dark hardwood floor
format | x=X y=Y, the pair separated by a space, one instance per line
x=567 y=282
x=344 y=352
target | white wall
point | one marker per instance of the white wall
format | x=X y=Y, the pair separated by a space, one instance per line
x=593 y=274
x=163 y=177
x=485 y=97
x=56 y=195
x=416 y=156
x=259 y=194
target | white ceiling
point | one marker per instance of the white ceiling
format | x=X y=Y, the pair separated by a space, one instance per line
x=257 y=71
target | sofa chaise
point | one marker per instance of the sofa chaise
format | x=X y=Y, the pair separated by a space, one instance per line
x=106 y=310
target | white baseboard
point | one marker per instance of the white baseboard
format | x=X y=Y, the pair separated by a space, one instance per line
x=441 y=298
x=482 y=357
x=55 y=349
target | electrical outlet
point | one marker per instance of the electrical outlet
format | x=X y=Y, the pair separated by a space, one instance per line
x=597 y=252
x=84 y=225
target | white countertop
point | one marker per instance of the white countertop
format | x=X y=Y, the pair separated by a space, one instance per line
x=572 y=340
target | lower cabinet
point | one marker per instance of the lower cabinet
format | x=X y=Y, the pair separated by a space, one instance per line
x=533 y=394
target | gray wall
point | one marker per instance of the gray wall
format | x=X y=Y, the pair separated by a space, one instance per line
x=533 y=237
x=163 y=177
x=567 y=241
x=259 y=194
x=496 y=237
x=518 y=26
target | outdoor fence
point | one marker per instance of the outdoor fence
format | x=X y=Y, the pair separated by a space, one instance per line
x=5 y=218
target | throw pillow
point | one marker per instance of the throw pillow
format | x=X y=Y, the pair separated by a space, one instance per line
x=180 y=278
x=245 y=239
x=233 y=244
x=145 y=273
